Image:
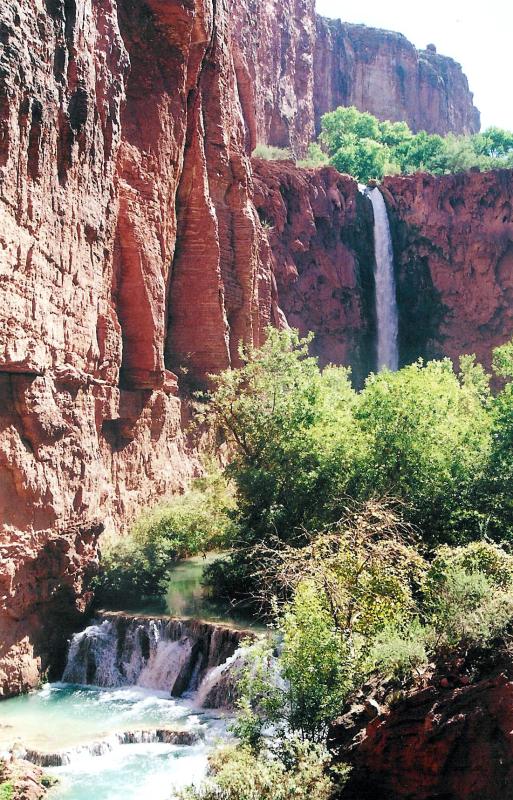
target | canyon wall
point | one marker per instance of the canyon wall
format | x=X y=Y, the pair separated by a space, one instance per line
x=453 y=244
x=320 y=232
x=293 y=66
x=129 y=247
x=382 y=72
x=453 y=248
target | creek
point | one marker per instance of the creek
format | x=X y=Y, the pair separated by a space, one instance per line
x=142 y=701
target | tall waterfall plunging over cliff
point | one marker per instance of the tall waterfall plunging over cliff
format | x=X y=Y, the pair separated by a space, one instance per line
x=386 y=300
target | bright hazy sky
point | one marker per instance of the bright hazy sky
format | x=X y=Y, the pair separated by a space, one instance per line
x=477 y=34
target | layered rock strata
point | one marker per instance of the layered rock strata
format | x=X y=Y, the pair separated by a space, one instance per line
x=453 y=243
x=129 y=249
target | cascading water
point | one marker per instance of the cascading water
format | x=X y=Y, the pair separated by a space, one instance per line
x=138 y=711
x=386 y=300
x=170 y=655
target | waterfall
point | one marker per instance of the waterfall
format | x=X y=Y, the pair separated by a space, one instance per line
x=172 y=655
x=386 y=300
x=108 y=744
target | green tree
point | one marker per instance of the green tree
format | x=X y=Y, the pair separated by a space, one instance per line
x=427 y=434
x=291 y=430
x=363 y=158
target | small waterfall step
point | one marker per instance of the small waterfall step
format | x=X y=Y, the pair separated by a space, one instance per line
x=103 y=746
x=160 y=653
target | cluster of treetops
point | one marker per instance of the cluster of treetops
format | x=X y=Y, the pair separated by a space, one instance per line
x=358 y=144
x=374 y=527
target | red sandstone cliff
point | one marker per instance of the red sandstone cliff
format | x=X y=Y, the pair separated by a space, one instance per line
x=320 y=232
x=456 y=745
x=129 y=246
x=294 y=66
x=453 y=243
x=382 y=72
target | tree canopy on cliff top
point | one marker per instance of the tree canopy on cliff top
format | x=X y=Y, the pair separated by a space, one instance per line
x=359 y=144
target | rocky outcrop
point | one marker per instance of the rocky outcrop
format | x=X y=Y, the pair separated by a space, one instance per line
x=382 y=72
x=456 y=745
x=129 y=248
x=21 y=780
x=293 y=66
x=453 y=243
x=319 y=228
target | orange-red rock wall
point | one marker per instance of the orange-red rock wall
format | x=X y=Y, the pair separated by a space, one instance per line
x=129 y=248
x=455 y=744
x=383 y=73
x=453 y=243
x=293 y=66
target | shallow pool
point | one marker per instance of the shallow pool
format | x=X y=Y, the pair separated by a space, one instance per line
x=62 y=717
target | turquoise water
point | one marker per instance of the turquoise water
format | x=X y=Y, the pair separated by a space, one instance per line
x=65 y=717
x=132 y=772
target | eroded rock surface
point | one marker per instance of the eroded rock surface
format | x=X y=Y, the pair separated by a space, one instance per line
x=453 y=242
x=121 y=134
x=456 y=745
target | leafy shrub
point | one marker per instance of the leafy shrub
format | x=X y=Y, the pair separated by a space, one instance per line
x=6 y=791
x=293 y=441
x=398 y=651
x=315 y=157
x=295 y=771
x=138 y=565
x=361 y=145
x=270 y=153
x=427 y=440
x=299 y=691
x=467 y=611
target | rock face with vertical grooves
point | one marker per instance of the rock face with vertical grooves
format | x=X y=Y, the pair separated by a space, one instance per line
x=293 y=66
x=129 y=246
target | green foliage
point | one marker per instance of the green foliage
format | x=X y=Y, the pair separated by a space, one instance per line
x=427 y=439
x=315 y=157
x=302 y=691
x=465 y=601
x=293 y=439
x=347 y=587
x=6 y=791
x=398 y=651
x=294 y=771
x=315 y=663
x=138 y=565
x=465 y=609
x=304 y=442
x=270 y=153
x=359 y=144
